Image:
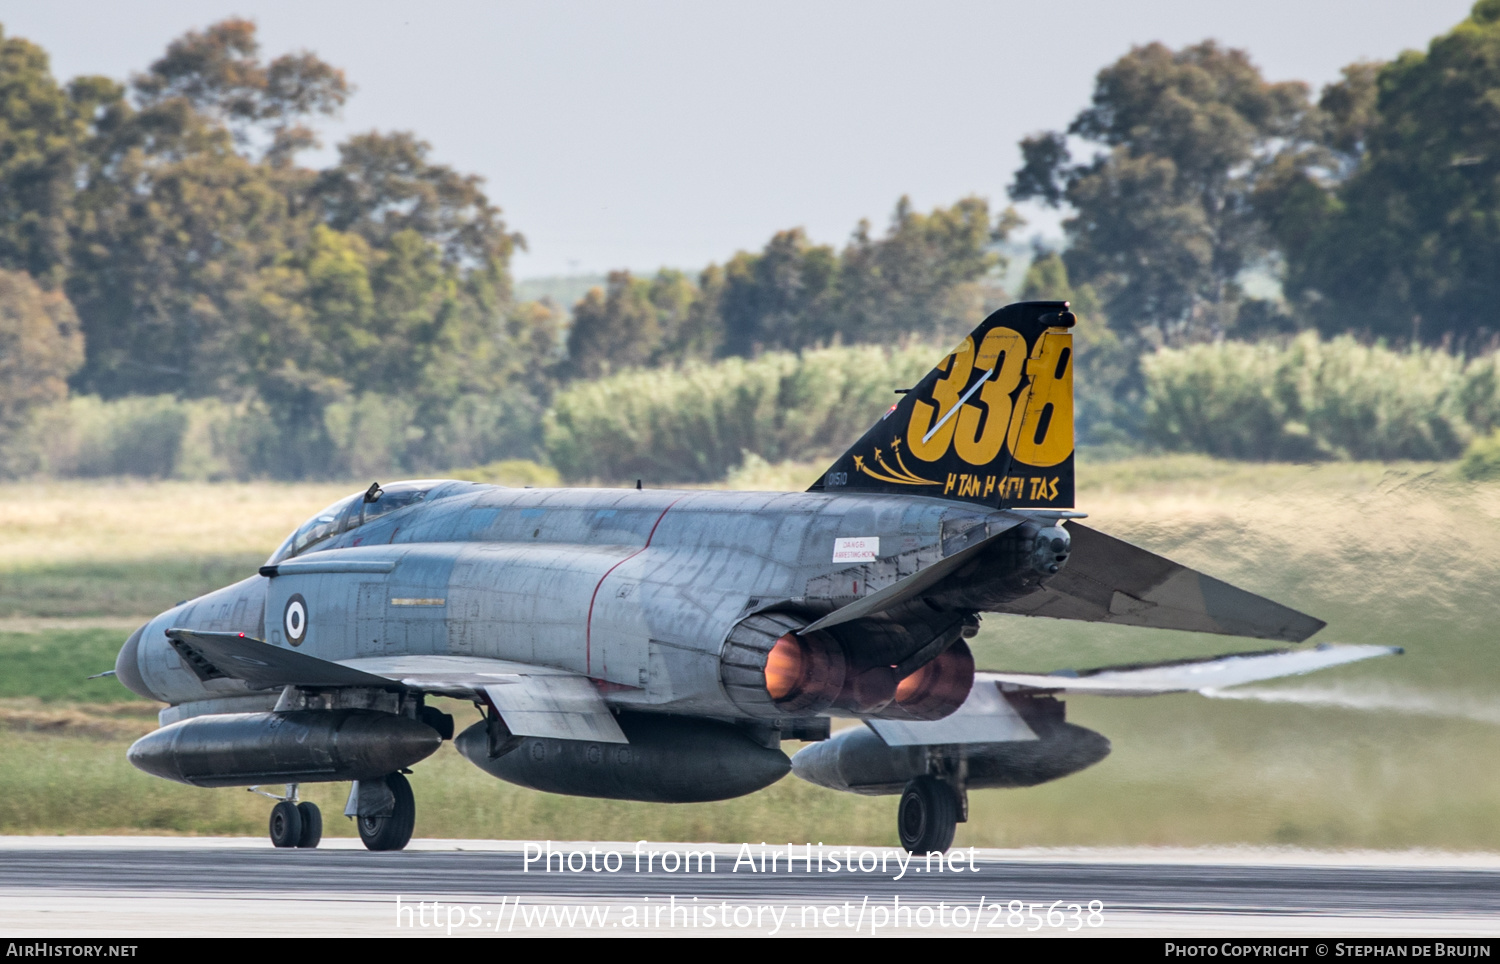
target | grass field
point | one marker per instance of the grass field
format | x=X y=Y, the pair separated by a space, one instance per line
x=1390 y=753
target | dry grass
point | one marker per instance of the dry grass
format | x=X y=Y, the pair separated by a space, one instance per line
x=57 y=523
x=106 y=721
x=131 y=548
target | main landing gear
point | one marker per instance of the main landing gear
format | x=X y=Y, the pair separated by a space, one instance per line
x=293 y=823
x=390 y=829
x=928 y=815
x=384 y=811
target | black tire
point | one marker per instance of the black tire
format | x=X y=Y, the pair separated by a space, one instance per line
x=286 y=824
x=928 y=816
x=312 y=825
x=393 y=832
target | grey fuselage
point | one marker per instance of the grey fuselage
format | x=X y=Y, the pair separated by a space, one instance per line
x=633 y=588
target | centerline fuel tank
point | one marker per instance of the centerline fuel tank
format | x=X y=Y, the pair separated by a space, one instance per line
x=669 y=759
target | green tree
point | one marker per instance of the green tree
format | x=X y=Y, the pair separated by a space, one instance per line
x=187 y=195
x=919 y=276
x=385 y=184
x=1293 y=195
x=701 y=336
x=929 y=274
x=1403 y=240
x=1163 y=221
x=783 y=297
x=535 y=345
x=197 y=236
x=633 y=322
x=217 y=72
x=43 y=131
x=40 y=346
x=167 y=250
x=204 y=261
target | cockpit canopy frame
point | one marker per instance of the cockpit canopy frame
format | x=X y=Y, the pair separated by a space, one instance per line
x=351 y=512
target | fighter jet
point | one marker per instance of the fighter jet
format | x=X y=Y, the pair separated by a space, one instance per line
x=657 y=645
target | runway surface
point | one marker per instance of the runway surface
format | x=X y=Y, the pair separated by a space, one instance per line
x=73 y=886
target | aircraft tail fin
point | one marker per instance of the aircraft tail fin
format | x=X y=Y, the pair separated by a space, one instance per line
x=991 y=424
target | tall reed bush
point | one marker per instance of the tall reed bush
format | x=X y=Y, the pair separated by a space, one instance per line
x=1310 y=398
x=368 y=436
x=695 y=423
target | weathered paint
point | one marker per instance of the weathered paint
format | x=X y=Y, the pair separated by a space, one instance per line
x=636 y=588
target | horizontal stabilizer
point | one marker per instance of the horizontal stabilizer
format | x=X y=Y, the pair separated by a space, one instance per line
x=261 y=665
x=561 y=707
x=912 y=586
x=985 y=717
x=1111 y=581
x=1180 y=676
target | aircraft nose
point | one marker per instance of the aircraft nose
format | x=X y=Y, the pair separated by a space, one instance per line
x=128 y=666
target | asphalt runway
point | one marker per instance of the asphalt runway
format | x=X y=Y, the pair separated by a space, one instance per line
x=117 y=885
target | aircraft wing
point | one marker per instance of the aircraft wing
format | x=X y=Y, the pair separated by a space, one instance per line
x=1189 y=675
x=1107 y=580
x=533 y=700
x=259 y=664
x=988 y=717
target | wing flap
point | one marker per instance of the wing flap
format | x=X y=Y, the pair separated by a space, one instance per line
x=1108 y=580
x=560 y=707
x=1183 y=676
x=461 y=677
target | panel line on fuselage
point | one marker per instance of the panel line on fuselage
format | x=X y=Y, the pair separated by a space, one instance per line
x=588 y=624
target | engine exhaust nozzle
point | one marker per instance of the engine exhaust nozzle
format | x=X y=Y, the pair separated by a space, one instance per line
x=936 y=688
x=769 y=670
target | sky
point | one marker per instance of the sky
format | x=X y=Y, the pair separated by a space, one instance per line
x=642 y=134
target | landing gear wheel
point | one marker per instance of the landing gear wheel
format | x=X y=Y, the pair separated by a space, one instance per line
x=392 y=832
x=928 y=816
x=312 y=825
x=286 y=824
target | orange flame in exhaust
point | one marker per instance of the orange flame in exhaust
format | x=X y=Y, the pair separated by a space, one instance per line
x=938 y=688
x=784 y=667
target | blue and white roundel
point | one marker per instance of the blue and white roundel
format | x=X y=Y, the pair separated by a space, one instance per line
x=294 y=619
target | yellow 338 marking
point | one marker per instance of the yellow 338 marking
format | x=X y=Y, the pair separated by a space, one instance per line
x=1041 y=435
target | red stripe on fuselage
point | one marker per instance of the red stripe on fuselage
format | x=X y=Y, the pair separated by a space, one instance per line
x=588 y=626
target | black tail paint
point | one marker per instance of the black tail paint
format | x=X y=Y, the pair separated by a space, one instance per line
x=992 y=423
